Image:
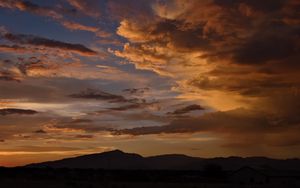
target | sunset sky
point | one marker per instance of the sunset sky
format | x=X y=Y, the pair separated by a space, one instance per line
x=205 y=78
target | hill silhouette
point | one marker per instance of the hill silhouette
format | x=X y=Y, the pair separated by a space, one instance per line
x=120 y=160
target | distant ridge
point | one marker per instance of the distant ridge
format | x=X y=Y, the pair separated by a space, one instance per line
x=118 y=159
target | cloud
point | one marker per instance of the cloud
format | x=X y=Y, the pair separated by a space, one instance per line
x=10 y=111
x=236 y=128
x=127 y=107
x=99 y=95
x=259 y=86
x=137 y=104
x=33 y=64
x=76 y=126
x=44 y=42
x=270 y=122
x=13 y=48
x=234 y=120
x=77 y=26
x=36 y=149
x=88 y=7
x=40 y=131
x=266 y=45
x=31 y=7
x=8 y=76
x=58 y=13
x=84 y=136
x=204 y=46
x=187 y=109
x=136 y=91
x=120 y=9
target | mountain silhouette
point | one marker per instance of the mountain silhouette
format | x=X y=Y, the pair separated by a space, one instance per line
x=117 y=159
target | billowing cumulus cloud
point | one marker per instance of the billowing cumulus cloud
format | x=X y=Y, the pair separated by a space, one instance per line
x=216 y=42
x=245 y=49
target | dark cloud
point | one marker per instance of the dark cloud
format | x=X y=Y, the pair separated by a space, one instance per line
x=11 y=111
x=25 y=65
x=34 y=8
x=238 y=127
x=8 y=76
x=126 y=9
x=181 y=38
x=39 y=41
x=187 y=109
x=7 y=73
x=239 y=32
x=127 y=107
x=137 y=91
x=86 y=125
x=84 y=136
x=22 y=5
x=20 y=69
x=272 y=122
x=276 y=42
x=136 y=104
x=40 y=131
x=247 y=85
x=99 y=95
x=265 y=6
x=238 y=120
x=20 y=123
x=89 y=7
x=55 y=12
x=81 y=121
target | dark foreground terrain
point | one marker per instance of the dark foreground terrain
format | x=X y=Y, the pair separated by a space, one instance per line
x=212 y=177
x=117 y=169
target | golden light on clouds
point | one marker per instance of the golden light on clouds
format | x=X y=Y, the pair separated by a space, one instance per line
x=205 y=78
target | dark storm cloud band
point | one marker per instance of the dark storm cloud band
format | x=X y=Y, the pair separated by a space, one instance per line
x=98 y=95
x=39 y=41
x=237 y=128
x=12 y=111
x=101 y=95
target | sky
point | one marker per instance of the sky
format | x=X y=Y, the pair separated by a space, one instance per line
x=206 y=78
